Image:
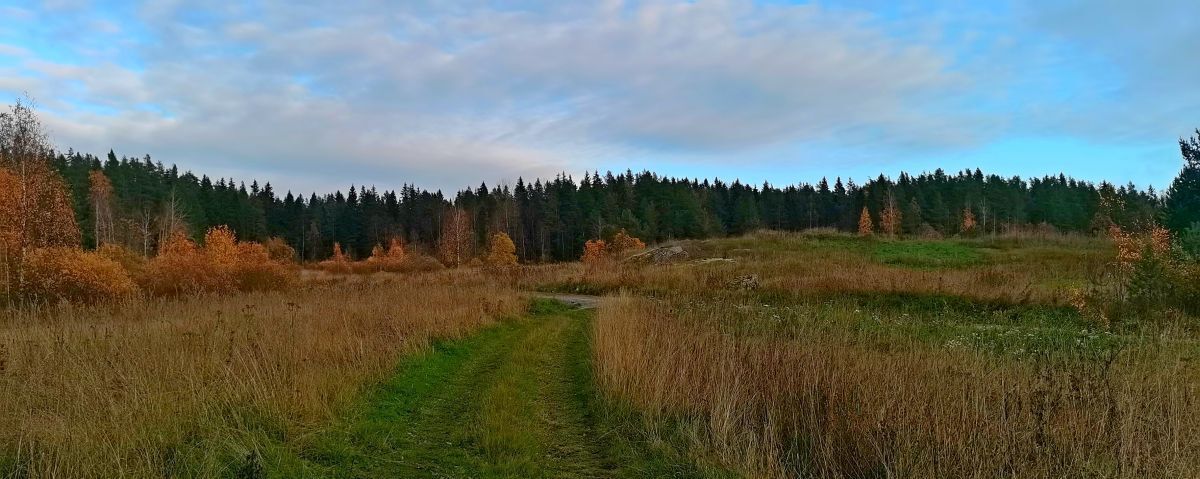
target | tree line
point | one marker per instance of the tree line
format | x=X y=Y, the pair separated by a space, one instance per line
x=139 y=202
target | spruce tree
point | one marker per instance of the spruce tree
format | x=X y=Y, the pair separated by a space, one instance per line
x=1182 y=207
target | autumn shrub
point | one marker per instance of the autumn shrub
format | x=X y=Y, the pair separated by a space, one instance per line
x=71 y=274
x=1150 y=279
x=222 y=265
x=338 y=263
x=182 y=268
x=255 y=270
x=279 y=250
x=622 y=243
x=502 y=253
x=131 y=261
x=595 y=252
x=393 y=258
x=418 y=263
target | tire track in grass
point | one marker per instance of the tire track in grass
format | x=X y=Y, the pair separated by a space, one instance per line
x=513 y=401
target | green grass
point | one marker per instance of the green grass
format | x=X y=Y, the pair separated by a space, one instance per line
x=514 y=401
x=927 y=254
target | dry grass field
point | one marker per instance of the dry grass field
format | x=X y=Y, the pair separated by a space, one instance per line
x=190 y=386
x=771 y=355
x=872 y=358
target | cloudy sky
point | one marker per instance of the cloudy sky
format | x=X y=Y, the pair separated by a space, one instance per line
x=444 y=94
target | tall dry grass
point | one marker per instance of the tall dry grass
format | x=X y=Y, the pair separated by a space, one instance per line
x=192 y=386
x=825 y=405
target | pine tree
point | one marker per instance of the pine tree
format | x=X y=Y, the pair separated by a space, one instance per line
x=1182 y=207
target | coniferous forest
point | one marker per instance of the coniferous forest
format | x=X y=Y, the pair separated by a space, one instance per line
x=551 y=219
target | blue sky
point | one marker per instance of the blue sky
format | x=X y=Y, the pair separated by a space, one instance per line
x=445 y=94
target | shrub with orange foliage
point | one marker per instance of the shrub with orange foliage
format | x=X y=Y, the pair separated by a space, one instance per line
x=594 y=252
x=255 y=270
x=502 y=253
x=279 y=250
x=222 y=265
x=598 y=252
x=130 y=260
x=1148 y=279
x=623 y=243
x=393 y=259
x=71 y=274
x=338 y=263
x=181 y=268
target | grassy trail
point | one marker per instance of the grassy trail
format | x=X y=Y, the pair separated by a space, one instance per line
x=515 y=400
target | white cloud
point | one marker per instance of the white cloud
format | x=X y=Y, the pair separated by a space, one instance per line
x=446 y=93
x=439 y=93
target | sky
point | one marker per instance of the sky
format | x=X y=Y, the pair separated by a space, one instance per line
x=445 y=94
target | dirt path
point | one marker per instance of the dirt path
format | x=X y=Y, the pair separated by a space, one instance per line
x=582 y=301
x=514 y=401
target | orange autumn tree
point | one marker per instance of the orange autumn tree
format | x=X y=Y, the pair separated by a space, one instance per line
x=865 y=226
x=502 y=253
x=393 y=258
x=968 y=221
x=35 y=205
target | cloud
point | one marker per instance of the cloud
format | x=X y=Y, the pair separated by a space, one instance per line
x=13 y=51
x=445 y=93
x=529 y=88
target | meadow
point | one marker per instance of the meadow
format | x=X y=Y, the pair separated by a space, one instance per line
x=852 y=357
x=813 y=354
x=194 y=386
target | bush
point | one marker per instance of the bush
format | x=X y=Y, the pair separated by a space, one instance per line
x=222 y=265
x=338 y=263
x=622 y=243
x=256 y=270
x=182 y=268
x=594 y=252
x=423 y=263
x=279 y=250
x=393 y=259
x=130 y=260
x=71 y=274
x=1151 y=279
x=502 y=253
